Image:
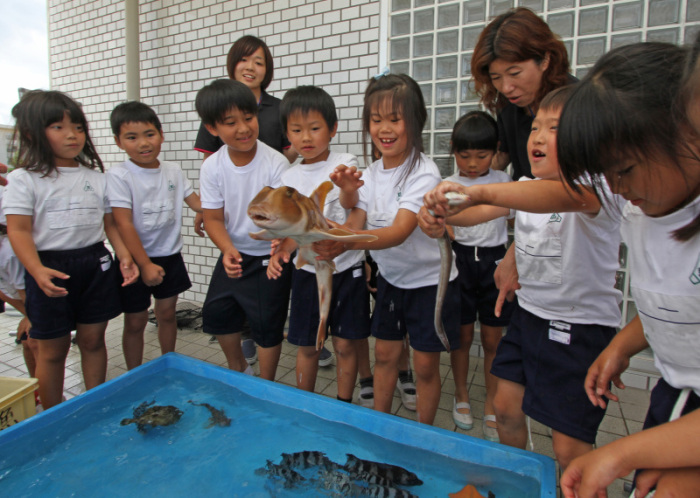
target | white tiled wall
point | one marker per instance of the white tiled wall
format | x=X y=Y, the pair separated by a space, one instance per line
x=330 y=43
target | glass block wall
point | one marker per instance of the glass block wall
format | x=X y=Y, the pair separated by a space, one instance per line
x=433 y=40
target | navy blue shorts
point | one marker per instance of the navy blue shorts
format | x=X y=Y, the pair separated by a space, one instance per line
x=663 y=399
x=92 y=296
x=398 y=312
x=478 y=291
x=348 y=316
x=264 y=302
x=534 y=352
x=137 y=296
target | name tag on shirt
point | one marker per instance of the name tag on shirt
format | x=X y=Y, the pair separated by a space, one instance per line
x=559 y=336
x=357 y=272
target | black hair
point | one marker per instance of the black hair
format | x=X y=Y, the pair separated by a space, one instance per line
x=133 y=112
x=475 y=130
x=624 y=107
x=220 y=96
x=557 y=98
x=244 y=47
x=308 y=98
x=406 y=100
x=37 y=110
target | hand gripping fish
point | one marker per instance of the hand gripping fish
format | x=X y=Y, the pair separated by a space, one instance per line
x=445 y=245
x=284 y=212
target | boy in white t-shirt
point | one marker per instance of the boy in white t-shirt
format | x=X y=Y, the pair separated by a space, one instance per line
x=309 y=117
x=230 y=178
x=146 y=197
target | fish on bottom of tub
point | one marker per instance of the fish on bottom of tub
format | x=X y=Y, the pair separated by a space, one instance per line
x=284 y=212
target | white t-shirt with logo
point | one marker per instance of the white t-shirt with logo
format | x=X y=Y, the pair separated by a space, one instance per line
x=305 y=178
x=155 y=196
x=492 y=233
x=67 y=206
x=222 y=184
x=665 y=284
x=415 y=262
x=567 y=264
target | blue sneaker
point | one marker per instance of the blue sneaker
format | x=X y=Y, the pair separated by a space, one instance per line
x=250 y=352
x=326 y=357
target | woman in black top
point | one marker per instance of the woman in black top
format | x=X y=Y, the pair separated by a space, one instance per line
x=516 y=62
x=249 y=61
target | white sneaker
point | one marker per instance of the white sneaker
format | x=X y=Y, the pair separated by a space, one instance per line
x=250 y=352
x=407 y=390
x=490 y=433
x=462 y=420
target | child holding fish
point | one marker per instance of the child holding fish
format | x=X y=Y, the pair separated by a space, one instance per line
x=309 y=117
x=57 y=216
x=409 y=262
x=474 y=144
x=568 y=307
x=229 y=180
x=146 y=195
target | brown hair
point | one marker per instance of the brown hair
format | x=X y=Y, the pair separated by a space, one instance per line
x=244 y=47
x=515 y=36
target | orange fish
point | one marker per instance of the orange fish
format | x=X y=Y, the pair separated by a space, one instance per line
x=284 y=212
x=467 y=491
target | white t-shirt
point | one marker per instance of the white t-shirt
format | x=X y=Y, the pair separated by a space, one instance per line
x=665 y=283
x=155 y=197
x=416 y=262
x=306 y=178
x=567 y=264
x=492 y=233
x=11 y=270
x=222 y=184
x=68 y=206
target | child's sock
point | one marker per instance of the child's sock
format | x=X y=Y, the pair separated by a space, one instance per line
x=367 y=382
x=345 y=400
x=405 y=376
x=249 y=371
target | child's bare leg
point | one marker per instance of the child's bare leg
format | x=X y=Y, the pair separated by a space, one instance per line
x=490 y=337
x=386 y=372
x=269 y=358
x=459 y=360
x=346 y=353
x=508 y=402
x=566 y=448
x=132 y=337
x=29 y=357
x=307 y=367
x=50 y=369
x=231 y=346
x=90 y=338
x=363 y=366
x=167 y=323
x=405 y=358
x=428 y=385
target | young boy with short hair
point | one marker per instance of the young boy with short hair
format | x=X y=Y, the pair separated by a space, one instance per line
x=146 y=196
x=229 y=179
x=309 y=118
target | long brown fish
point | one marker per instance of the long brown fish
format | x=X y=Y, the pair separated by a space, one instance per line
x=284 y=212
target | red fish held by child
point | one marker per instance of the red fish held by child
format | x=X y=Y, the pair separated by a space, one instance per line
x=284 y=212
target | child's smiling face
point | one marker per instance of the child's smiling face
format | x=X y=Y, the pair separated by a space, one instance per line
x=239 y=131
x=388 y=132
x=141 y=141
x=542 y=144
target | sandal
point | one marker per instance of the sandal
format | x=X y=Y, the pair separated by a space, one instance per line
x=490 y=433
x=462 y=420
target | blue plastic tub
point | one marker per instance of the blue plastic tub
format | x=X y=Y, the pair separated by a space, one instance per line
x=80 y=447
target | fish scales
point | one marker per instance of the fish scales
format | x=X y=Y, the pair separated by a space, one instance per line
x=394 y=473
x=307 y=459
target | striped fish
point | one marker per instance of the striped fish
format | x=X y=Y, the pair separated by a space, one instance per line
x=394 y=473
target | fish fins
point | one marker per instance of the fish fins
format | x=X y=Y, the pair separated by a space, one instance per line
x=468 y=491
x=261 y=235
x=319 y=195
x=350 y=236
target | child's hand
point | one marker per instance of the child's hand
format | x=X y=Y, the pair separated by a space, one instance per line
x=433 y=227
x=199 y=224
x=274 y=267
x=232 y=263
x=23 y=326
x=605 y=369
x=368 y=277
x=44 y=278
x=274 y=246
x=328 y=250
x=347 y=179
x=152 y=274
x=440 y=205
x=129 y=270
x=589 y=475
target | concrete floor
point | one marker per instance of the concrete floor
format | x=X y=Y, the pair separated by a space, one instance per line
x=622 y=418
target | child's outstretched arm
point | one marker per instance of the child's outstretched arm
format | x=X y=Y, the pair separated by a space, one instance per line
x=215 y=226
x=348 y=181
x=127 y=244
x=195 y=205
x=19 y=231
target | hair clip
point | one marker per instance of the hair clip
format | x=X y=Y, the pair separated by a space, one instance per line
x=385 y=72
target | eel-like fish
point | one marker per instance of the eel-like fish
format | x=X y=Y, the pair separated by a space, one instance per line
x=218 y=417
x=284 y=212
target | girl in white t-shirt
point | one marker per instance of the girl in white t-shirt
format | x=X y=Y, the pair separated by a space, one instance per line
x=57 y=216
x=635 y=118
x=409 y=262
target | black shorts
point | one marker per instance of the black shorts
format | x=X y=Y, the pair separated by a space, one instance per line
x=92 y=296
x=348 y=316
x=534 y=352
x=663 y=399
x=398 y=312
x=137 y=296
x=264 y=302
x=478 y=291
